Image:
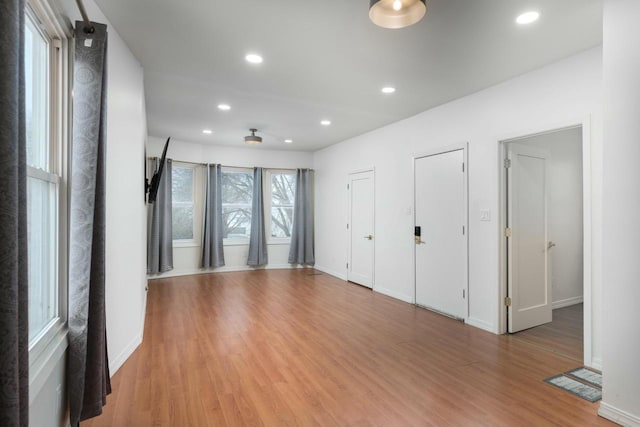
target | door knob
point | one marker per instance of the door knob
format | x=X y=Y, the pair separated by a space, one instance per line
x=550 y=245
x=369 y=237
x=419 y=240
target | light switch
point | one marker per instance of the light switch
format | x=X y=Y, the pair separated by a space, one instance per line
x=485 y=215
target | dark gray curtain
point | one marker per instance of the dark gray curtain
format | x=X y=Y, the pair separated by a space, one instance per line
x=88 y=366
x=212 y=248
x=257 y=241
x=14 y=287
x=160 y=225
x=301 y=250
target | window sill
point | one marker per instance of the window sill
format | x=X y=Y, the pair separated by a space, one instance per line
x=279 y=242
x=45 y=358
x=235 y=242
x=186 y=244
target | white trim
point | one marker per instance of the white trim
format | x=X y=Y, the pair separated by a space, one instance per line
x=618 y=416
x=42 y=366
x=567 y=302
x=464 y=146
x=596 y=363
x=117 y=362
x=226 y=269
x=394 y=294
x=585 y=123
x=481 y=324
x=341 y=276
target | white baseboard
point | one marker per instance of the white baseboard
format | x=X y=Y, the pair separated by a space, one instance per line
x=567 y=302
x=618 y=415
x=330 y=272
x=481 y=324
x=225 y=269
x=394 y=294
x=119 y=360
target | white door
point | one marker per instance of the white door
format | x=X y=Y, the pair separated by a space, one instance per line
x=528 y=280
x=441 y=249
x=361 y=224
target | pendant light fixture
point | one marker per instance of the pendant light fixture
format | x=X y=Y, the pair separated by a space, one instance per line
x=253 y=139
x=396 y=13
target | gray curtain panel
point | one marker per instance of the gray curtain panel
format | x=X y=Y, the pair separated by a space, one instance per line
x=160 y=225
x=212 y=248
x=257 y=242
x=14 y=287
x=88 y=366
x=301 y=250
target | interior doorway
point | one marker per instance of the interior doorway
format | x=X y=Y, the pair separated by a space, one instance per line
x=361 y=190
x=544 y=255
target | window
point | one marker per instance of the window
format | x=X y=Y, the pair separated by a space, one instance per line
x=43 y=180
x=282 y=196
x=237 y=195
x=182 y=186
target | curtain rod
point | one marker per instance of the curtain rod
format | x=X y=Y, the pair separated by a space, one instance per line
x=228 y=166
x=88 y=26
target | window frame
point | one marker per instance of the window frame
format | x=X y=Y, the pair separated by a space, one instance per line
x=237 y=241
x=49 y=345
x=268 y=192
x=195 y=241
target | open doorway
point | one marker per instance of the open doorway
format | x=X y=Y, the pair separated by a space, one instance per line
x=544 y=240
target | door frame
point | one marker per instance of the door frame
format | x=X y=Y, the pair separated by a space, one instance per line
x=372 y=169
x=585 y=124
x=464 y=146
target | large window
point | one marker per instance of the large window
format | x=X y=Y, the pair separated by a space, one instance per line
x=237 y=195
x=43 y=181
x=182 y=189
x=282 y=191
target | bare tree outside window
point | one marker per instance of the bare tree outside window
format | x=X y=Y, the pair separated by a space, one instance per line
x=237 y=194
x=182 y=203
x=283 y=192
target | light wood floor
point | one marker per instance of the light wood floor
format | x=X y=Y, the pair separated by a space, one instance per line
x=564 y=335
x=293 y=347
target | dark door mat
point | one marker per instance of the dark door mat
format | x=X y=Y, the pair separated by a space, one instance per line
x=582 y=390
x=587 y=376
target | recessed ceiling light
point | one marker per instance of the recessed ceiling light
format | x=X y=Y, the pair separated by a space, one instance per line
x=388 y=89
x=325 y=122
x=253 y=58
x=288 y=141
x=207 y=131
x=528 y=17
x=224 y=107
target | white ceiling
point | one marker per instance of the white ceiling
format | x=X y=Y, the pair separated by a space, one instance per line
x=325 y=59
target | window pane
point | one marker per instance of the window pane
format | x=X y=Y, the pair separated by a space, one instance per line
x=237 y=188
x=36 y=97
x=182 y=220
x=237 y=222
x=42 y=220
x=283 y=189
x=182 y=199
x=182 y=184
x=281 y=221
x=237 y=193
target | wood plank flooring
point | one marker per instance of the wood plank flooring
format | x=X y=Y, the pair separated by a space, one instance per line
x=294 y=347
x=563 y=336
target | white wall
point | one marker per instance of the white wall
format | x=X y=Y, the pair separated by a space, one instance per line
x=621 y=394
x=186 y=260
x=564 y=211
x=565 y=92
